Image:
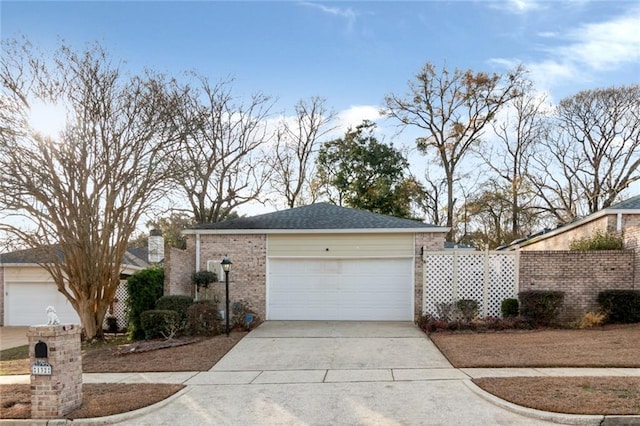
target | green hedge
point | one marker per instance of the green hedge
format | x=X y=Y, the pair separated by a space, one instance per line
x=180 y=304
x=160 y=323
x=509 y=308
x=203 y=319
x=541 y=307
x=621 y=306
x=145 y=288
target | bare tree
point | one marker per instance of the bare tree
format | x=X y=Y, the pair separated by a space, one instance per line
x=518 y=132
x=79 y=196
x=294 y=153
x=219 y=165
x=452 y=108
x=592 y=152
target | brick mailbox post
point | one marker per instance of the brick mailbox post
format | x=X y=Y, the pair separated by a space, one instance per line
x=56 y=370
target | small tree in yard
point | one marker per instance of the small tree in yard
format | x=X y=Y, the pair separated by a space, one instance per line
x=79 y=195
x=145 y=288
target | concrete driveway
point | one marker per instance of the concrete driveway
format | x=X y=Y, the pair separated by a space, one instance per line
x=338 y=373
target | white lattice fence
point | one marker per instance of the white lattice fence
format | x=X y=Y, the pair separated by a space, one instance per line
x=486 y=277
x=118 y=307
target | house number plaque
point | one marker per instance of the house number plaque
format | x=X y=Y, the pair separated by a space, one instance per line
x=41 y=368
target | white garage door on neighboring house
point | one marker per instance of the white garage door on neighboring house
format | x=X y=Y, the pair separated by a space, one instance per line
x=340 y=277
x=26 y=304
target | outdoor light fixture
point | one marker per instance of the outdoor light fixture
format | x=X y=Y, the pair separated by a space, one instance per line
x=226 y=267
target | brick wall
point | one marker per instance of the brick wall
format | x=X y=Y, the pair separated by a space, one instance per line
x=1 y=295
x=179 y=265
x=581 y=275
x=431 y=241
x=60 y=393
x=631 y=235
x=248 y=276
x=562 y=240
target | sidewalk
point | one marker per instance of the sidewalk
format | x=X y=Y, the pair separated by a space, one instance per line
x=195 y=378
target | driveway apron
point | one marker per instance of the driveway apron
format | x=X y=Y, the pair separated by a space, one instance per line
x=338 y=373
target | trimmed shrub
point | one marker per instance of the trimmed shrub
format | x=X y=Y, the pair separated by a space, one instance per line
x=621 y=306
x=591 y=319
x=468 y=309
x=598 y=241
x=509 y=308
x=203 y=319
x=239 y=310
x=180 y=304
x=541 y=307
x=144 y=288
x=445 y=311
x=160 y=323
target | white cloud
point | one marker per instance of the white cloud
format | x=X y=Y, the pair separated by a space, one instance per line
x=347 y=13
x=518 y=7
x=584 y=50
x=354 y=115
x=604 y=45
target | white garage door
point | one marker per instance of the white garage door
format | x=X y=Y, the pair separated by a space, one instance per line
x=26 y=303
x=340 y=289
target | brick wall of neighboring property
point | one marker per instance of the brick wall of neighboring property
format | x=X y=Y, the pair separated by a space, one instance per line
x=631 y=235
x=563 y=240
x=581 y=275
x=248 y=276
x=179 y=265
x=432 y=241
x=1 y=295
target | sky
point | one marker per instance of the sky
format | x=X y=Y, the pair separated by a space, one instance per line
x=350 y=53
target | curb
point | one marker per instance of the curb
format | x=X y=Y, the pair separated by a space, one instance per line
x=115 y=418
x=566 y=419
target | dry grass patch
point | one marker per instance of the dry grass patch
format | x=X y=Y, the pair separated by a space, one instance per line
x=99 y=399
x=609 y=346
x=157 y=355
x=571 y=395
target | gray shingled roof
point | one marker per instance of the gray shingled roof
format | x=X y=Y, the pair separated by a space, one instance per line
x=632 y=203
x=135 y=257
x=318 y=216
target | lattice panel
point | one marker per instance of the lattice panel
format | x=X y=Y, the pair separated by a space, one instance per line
x=502 y=281
x=470 y=269
x=451 y=276
x=118 y=307
x=438 y=282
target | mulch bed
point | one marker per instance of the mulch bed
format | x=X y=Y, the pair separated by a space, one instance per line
x=571 y=395
x=609 y=346
x=99 y=399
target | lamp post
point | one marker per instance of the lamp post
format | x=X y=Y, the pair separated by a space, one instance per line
x=226 y=267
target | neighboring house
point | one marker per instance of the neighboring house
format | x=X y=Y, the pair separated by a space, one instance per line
x=623 y=217
x=26 y=288
x=319 y=262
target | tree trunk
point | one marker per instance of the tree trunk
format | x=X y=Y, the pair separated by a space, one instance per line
x=91 y=328
x=450 y=202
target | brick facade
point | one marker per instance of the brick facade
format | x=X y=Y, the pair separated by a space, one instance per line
x=423 y=242
x=56 y=395
x=631 y=236
x=581 y=275
x=248 y=276
x=248 y=252
x=179 y=265
x=562 y=240
x=2 y=296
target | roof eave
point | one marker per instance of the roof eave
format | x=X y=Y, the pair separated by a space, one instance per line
x=435 y=229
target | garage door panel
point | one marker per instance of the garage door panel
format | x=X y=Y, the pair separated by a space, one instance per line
x=25 y=304
x=340 y=289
